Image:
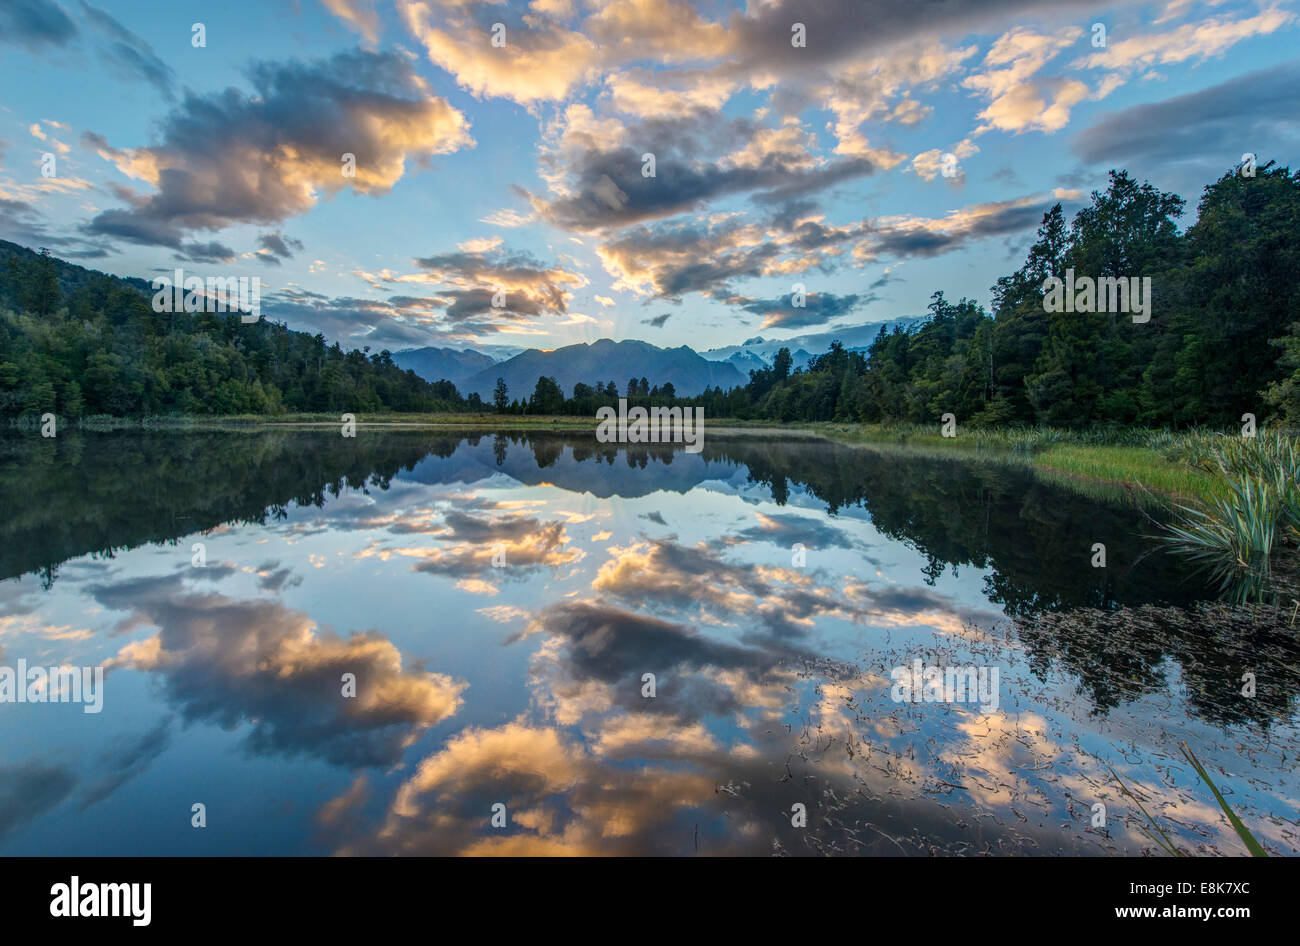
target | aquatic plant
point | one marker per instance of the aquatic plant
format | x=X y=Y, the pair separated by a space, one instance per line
x=1233 y=537
x=1158 y=835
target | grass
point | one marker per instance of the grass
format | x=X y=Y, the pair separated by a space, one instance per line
x=1235 y=536
x=1158 y=835
x=1109 y=463
x=1135 y=465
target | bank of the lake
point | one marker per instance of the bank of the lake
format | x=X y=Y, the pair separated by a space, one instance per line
x=1124 y=464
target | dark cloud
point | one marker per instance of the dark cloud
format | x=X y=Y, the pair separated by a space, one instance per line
x=530 y=287
x=1243 y=114
x=611 y=644
x=354 y=322
x=819 y=308
x=210 y=252
x=688 y=582
x=270 y=670
x=233 y=158
x=28 y=790
x=273 y=577
x=128 y=225
x=34 y=23
x=610 y=190
x=659 y=321
x=1076 y=178
x=850 y=29
x=932 y=238
x=128 y=54
x=470 y=286
x=23 y=223
x=471 y=542
x=127 y=759
x=691 y=257
x=785 y=530
x=884 y=279
x=17 y=215
x=279 y=245
x=1007 y=175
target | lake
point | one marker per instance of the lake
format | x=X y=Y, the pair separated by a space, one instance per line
x=446 y=642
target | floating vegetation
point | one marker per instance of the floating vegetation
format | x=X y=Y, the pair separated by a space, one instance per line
x=1157 y=833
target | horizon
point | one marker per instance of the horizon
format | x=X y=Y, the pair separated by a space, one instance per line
x=888 y=157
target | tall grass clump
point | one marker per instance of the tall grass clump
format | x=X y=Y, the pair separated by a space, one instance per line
x=1235 y=536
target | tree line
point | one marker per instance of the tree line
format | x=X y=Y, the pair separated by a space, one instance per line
x=76 y=342
x=1223 y=339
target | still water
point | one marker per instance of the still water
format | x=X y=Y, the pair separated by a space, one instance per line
x=606 y=651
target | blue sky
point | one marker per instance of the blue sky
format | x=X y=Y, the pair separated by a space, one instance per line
x=515 y=173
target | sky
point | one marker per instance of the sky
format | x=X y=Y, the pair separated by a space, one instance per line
x=541 y=174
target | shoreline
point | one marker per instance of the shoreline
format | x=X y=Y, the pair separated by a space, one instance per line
x=1115 y=465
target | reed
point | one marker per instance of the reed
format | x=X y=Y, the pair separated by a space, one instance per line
x=1234 y=536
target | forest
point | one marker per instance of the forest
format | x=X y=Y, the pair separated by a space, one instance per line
x=79 y=343
x=1223 y=339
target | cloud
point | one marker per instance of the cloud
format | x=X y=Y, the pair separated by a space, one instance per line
x=670 y=260
x=128 y=54
x=614 y=645
x=931 y=164
x=230 y=158
x=696 y=584
x=908 y=236
x=539 y=60
x=1202 y=40
x=128 y=758
x=28 y=790
x=278 y=245
x=393 y=323
x=785 y=529
x=842 y=30
x=23 y=222
x=210 y=252
x=508 y=218
x=1017 y=101
x=658 y=321
x=470 y=544
x=261 y=666
x=608 y=189
x=359 y=15
x=496 y=283
x=1251 y=110
x=818 y=308
x=35 y=23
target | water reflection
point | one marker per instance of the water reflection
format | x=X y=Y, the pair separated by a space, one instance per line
x=501 y=601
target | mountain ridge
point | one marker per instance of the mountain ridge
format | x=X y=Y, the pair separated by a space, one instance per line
x=605 y=360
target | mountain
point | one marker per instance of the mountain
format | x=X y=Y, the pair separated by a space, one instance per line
x=851 y=336
x=800 y=358
x=443 y=364
x=603 y=361
x=747 y=361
